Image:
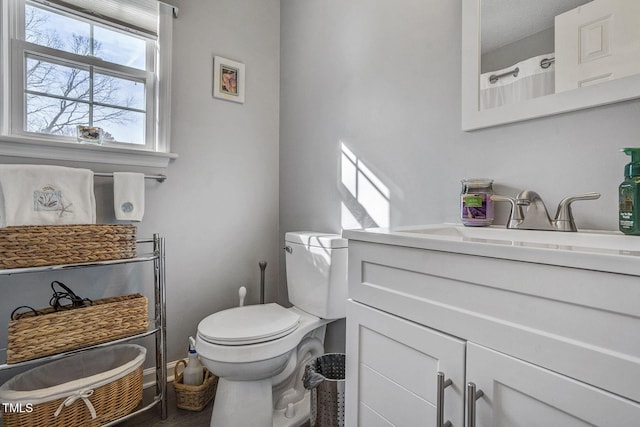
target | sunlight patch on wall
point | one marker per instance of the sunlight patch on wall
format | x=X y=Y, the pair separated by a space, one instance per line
x=365 y=197
x=349 y=221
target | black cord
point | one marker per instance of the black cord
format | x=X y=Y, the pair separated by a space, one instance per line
x=16 y=316
x=58 y=297
x=57 y=301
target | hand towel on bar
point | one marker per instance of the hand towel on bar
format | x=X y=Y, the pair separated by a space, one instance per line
x=46 y=195
x=128 y=196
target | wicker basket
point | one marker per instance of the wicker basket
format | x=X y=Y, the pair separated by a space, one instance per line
x=40 y=245
x=190 y=397
x=61 y=394
x=53 y=332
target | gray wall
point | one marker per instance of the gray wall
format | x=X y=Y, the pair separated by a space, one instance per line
x=219 y=207
x=505 y=56
x=384 y=78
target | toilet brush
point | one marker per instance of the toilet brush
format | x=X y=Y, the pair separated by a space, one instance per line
x=263 y=266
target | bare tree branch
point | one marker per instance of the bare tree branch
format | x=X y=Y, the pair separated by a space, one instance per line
x=72 y=83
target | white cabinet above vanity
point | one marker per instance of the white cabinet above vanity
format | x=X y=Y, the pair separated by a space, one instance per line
x=544 y=325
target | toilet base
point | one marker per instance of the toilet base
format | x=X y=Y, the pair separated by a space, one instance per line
x=243 y=403
x=233 y=411
x=298 y=414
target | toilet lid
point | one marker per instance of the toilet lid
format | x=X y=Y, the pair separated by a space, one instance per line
x=250 y=324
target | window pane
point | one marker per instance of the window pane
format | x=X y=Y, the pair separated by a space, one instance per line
x=62 y=91
x=56 y=31
x=56 y=79
x=116 y=91
x=120 y=125
x=119 y=48
x=54 y=116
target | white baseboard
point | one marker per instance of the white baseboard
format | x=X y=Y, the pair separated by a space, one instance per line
x=149 y=375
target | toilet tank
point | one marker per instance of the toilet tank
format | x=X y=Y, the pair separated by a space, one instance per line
x=316 y=265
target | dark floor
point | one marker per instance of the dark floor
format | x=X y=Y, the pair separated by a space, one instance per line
x=176 y=417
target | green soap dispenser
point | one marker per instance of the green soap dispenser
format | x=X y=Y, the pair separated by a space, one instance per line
x=629 y=195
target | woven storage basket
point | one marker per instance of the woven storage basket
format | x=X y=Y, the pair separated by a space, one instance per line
x=53 y=332
x=108 y=380
x=190 y=397
x=40 y=245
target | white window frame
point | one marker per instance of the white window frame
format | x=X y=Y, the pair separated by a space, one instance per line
x=15 y=141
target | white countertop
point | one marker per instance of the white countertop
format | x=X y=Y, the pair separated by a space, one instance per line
x=610 y=251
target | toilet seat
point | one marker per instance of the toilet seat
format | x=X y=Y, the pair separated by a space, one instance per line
x=251 y=324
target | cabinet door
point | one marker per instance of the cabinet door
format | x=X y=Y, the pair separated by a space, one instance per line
x=392 y=371
x=518 y=394
x=597 y=42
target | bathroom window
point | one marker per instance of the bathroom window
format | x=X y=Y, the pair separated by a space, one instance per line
x=89 y=63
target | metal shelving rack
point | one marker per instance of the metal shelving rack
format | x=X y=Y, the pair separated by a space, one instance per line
x=159 y=328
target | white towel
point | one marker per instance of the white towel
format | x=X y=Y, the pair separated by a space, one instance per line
x=128 y=196
x=46 y=195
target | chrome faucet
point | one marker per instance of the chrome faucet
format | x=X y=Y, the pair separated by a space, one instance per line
x=536 y=216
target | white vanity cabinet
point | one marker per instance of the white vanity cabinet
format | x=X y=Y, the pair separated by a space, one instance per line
x=397 y=371
x=520 y=394
x=547 y=344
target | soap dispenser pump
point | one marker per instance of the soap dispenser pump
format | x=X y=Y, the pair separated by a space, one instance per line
x=194 y=371
x=629 y=194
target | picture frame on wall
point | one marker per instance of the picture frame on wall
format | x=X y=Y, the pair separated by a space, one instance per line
x=228 y=79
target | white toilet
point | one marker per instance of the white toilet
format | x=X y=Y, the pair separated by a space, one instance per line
x=259 y=351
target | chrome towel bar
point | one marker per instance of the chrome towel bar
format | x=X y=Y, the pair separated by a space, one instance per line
x=159 y=178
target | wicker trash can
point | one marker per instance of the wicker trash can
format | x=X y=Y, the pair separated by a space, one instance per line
x=88 y=389
x=325 y=377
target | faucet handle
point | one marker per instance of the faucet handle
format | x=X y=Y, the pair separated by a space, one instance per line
x=515 y=216
x=564 y=217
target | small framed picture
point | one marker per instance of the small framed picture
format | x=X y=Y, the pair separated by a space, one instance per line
x=228 y=79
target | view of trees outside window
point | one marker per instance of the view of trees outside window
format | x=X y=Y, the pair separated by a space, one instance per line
x=61 y=94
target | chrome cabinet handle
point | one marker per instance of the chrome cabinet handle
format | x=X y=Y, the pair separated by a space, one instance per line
x=442 y=384
x=472 y=396
x=288 y=249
